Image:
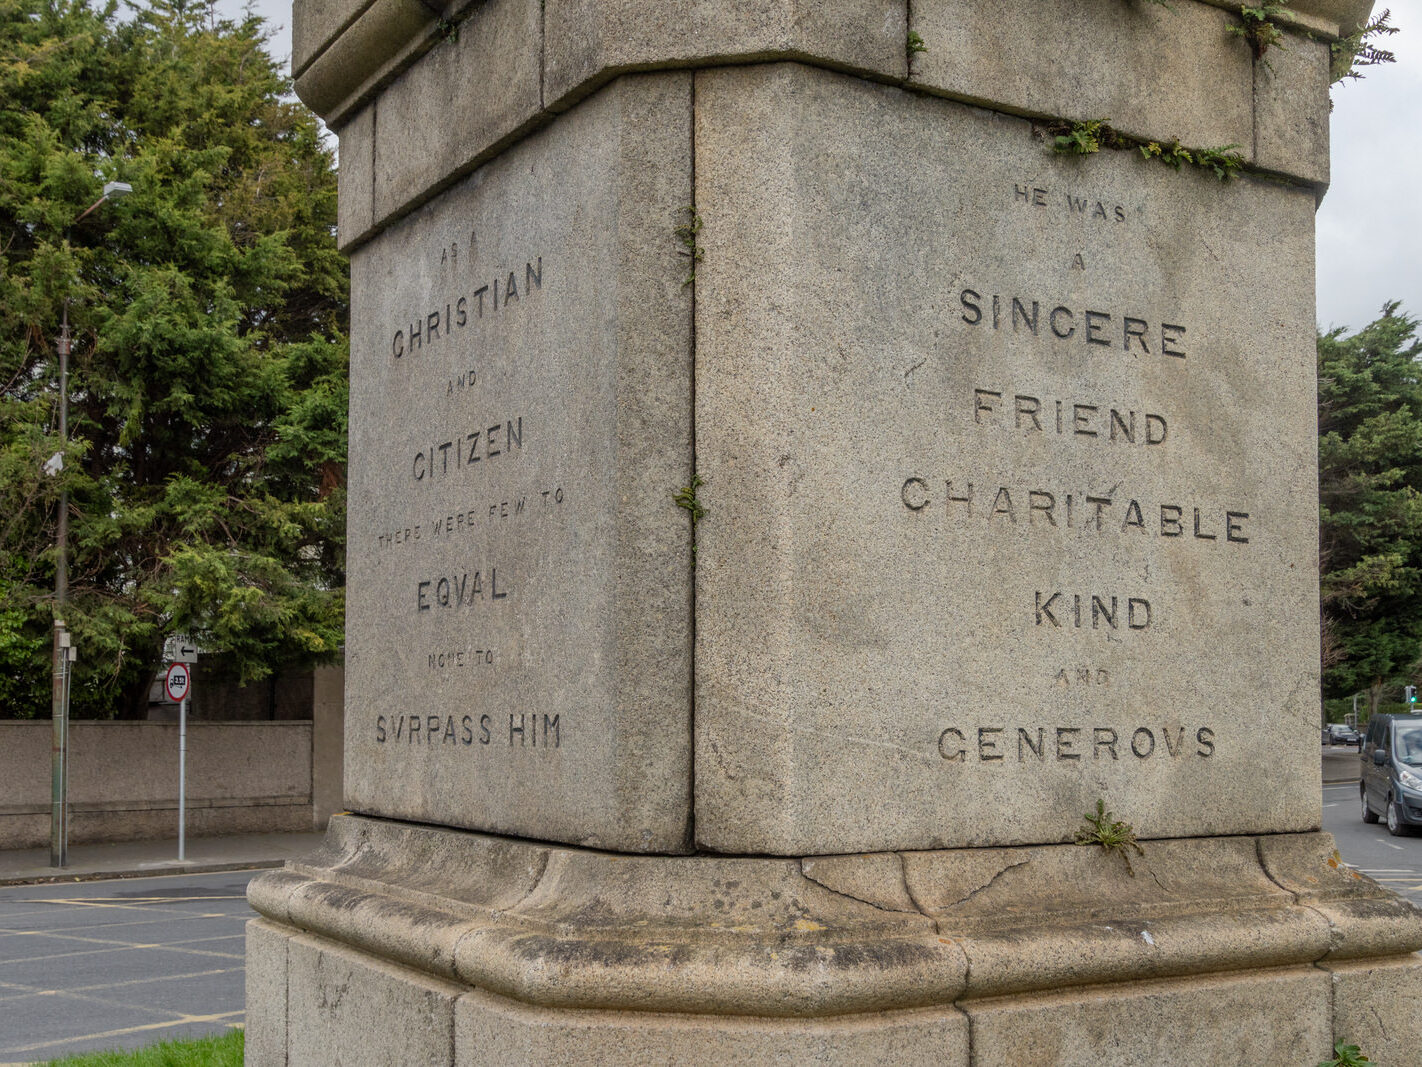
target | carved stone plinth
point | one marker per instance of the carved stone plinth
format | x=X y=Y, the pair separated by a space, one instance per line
x=802 y=458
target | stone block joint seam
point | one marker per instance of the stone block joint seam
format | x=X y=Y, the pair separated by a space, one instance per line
x=374 y=144
x=691 y=410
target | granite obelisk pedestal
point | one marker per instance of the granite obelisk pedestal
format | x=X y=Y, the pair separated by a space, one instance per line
x=1008 y=467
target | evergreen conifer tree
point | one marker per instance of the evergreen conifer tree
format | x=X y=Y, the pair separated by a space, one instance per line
x=207 y=400
x=1370 y=504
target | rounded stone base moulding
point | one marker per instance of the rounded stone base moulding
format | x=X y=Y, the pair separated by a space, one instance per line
x=560 y=927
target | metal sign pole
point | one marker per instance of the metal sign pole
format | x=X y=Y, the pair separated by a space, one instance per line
x=59 y=755
x=178 y=685
x=64 y=761
x=182 y=779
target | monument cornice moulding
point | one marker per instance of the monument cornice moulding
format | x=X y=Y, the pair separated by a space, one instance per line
x=343 y=51
x=572 y=928
x=384 y=70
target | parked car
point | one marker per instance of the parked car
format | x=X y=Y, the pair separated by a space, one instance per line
x=1391 y=778
x=1340 y=733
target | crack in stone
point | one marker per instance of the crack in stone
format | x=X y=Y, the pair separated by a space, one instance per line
x=989 y=883
x=1381 y=1025
x=495 y=914
x=851 y=896
x=1336 y=936
x=908 y=890
x=1156 y=878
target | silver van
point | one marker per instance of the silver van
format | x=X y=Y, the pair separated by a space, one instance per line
x=1391 y=779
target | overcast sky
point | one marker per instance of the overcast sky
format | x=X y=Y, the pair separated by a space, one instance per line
x=1370 y=224
x=1371 y=220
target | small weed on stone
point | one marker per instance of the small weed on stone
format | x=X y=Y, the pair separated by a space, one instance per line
x=685 y=498
x=1090 y=136
x=691 y=248
x=1079 y=138
x=1345 y=1055
x=1222 y=162
x=1111 y=834
x=1259 y=28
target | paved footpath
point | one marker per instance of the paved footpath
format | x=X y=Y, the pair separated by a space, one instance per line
x=138 y=859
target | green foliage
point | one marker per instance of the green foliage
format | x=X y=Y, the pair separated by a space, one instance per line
x=1080 y=138
x=1091 y=135
x=1222 y=162
x=224 y=1050
x=1345 y=1055
x=685 y=497
x=25 y=649
x=691 y=248
x=1258 y=26
x=205 y=466
x=915 y=45
x=1111 y=834
x=1370 y=505
x=1358 y=50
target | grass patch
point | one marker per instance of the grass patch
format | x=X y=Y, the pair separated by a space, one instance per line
x=222 y=1050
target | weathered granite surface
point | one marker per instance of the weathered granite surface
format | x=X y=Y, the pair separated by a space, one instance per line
x=1179 y=1023
x=1000 y=449
x=265 y=1021
x=1009 y=464
x=1377 y=1006
x=529 y=947
x=1094 y=59
x=519 y=605
x=761 y=936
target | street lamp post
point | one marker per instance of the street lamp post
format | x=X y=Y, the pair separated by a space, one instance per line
x=64 y=651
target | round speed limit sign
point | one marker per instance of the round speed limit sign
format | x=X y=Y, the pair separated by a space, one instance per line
x=177 y=682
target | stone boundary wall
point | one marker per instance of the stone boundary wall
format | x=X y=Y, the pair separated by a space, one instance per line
x=123 y=780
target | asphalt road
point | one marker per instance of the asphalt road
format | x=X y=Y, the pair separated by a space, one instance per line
x=1395 y=862
x=119 y=964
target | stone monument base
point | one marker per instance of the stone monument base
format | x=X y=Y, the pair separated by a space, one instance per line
x=407 y=944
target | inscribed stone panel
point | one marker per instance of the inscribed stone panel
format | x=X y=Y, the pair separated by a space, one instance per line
x=1010 y=477
x=518 y=626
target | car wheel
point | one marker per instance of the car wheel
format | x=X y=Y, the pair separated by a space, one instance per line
x=1369 y=815
x=1395 y=825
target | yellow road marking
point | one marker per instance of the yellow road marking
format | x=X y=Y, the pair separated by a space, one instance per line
x=110 y=946
x=123 y=902
x=132 y=982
